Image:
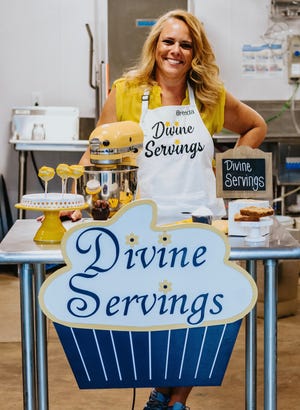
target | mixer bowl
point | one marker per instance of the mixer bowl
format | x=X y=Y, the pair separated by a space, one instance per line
x=118 y=185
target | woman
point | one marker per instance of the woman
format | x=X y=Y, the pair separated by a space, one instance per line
x=177 y=97
x=178 y=70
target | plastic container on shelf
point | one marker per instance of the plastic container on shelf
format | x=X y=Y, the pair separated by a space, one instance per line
x=38 y=132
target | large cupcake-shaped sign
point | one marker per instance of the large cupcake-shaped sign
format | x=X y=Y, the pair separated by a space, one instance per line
x=140 y=305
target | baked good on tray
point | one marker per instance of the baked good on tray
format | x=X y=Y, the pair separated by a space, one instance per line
x=259 y=212
x=253 y=213
x=245 y=218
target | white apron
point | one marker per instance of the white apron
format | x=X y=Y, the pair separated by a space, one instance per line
x=175 y=165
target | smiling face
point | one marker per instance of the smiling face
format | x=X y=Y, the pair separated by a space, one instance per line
x=174 y=52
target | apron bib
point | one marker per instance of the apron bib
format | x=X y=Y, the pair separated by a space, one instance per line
x=175 y=165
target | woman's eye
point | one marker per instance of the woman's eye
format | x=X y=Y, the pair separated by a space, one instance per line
x=168 y=42
x=186 y=45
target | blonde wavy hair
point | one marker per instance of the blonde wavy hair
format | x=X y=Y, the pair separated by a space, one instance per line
x=204 y=72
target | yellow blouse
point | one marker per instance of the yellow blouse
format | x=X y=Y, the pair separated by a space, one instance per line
x=129 y=105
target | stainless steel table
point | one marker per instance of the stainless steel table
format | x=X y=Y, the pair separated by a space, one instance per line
x=18 y=247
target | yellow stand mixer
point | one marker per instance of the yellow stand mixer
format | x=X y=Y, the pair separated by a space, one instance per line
x=113 y=148
x=111 y=143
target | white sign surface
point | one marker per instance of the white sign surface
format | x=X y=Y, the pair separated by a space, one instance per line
x=129 y=274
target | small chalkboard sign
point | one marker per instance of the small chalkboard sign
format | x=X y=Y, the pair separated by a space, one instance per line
x=244 y=172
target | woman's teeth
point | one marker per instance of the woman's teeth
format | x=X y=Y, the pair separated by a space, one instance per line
x=171 y=61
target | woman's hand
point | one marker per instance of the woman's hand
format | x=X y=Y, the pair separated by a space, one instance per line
x=65 y=216
x=70 y=215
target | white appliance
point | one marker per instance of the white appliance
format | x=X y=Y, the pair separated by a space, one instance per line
x=60 y=124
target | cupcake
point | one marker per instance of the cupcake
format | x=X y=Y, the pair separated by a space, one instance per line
x=100 y=210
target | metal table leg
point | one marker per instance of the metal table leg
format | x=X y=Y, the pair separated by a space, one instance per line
x=22 y=180
x=27 y=330
x=282 y=193
x=251 y=349
x=41 y=343
x=270 y=336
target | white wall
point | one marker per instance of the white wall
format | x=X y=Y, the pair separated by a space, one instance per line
x=232 y=23
x=45 y=48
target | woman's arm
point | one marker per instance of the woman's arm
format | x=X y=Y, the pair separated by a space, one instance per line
x=243 y=120
x=109 y=110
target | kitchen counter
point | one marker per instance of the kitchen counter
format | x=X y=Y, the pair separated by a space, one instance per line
x=48 y=145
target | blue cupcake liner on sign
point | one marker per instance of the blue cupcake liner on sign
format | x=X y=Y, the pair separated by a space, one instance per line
x=121 y=359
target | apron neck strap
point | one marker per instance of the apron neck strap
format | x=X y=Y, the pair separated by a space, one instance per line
x=145 y=103
x=191 y=94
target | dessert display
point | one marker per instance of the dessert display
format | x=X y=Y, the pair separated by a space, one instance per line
x=254 y=219
x=253 y=210
x=52 y=201
x=51 y=229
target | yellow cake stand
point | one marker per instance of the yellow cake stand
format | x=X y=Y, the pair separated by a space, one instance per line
x=51 y=230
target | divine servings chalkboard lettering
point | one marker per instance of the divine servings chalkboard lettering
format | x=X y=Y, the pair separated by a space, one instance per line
x=244 y=172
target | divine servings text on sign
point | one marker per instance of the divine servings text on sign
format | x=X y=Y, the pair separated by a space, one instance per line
x=244 y=172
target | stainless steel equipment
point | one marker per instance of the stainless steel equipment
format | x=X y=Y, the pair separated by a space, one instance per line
x=116 y=186
x=59 y=123
x=112 y=178
x=285 y=9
